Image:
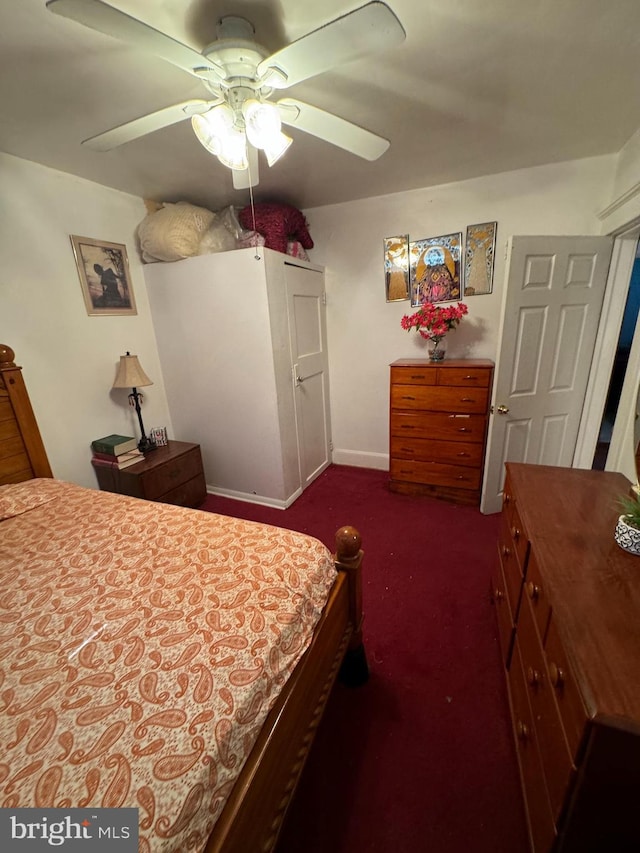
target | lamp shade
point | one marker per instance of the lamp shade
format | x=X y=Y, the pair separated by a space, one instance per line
x=130 y=374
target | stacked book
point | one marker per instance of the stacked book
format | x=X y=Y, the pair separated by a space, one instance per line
x=115 y=451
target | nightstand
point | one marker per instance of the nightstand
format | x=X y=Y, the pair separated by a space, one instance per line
x=171 y=474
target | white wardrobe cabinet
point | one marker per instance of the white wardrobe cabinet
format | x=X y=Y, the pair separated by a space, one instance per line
x=242 y=342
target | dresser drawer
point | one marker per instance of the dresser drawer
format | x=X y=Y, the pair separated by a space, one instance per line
x=542 y=828
x=519 y=537
x=469 y=377
x=535 y=593
x=413 y=375
x=504 y=614
x=510 y=565
x=435 y=474
x=565 y=690
x=439 y=398
x=452 y=427
x=428 y=450
x=554 y=750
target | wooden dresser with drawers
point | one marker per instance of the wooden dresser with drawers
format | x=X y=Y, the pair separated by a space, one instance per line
x=568 y=606
x=438 y=427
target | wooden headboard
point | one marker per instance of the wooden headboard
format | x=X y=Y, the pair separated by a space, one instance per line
x=22 y=453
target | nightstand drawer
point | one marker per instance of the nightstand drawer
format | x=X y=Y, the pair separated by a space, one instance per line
x=173 y=473
x=192 y=493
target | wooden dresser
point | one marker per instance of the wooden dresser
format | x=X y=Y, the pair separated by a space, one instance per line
x=438 y=427
x=568 y=607
x=171 y=474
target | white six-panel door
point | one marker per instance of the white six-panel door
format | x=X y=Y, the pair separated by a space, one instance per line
x=555 y=287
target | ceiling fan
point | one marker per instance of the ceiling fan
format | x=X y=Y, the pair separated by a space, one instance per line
x=242 y=77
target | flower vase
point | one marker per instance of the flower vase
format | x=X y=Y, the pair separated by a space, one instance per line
x=436 y=348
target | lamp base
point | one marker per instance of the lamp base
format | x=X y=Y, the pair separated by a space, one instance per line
x=145 y=445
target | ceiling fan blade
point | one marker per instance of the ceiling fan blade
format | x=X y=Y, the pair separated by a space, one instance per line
x=371 y=28
x=147 y=124
x=250 y=177
x=112 y=22
x=332 y=129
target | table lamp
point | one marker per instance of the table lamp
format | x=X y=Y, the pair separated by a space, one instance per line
x=131 y=375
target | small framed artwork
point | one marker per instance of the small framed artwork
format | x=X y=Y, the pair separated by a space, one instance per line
x=103 y=269
x=434 y=269
x=479 y=252
x=396 y=268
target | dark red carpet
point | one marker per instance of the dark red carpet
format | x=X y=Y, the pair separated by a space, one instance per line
x=420 y=758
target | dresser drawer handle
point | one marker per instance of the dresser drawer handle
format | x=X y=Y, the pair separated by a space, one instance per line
x=467 y=400
x=498 y=594
x=556 y=675
x=469 y=377
x=534 y=591
x=407 y=450
x=418 y=376
x=523 y=730
x=533 y=676
x=506 y=552
x=515 y=533
x=464 y=455
x=407 y=397
x=464 y=429
x=507 y=498
x=407 y=426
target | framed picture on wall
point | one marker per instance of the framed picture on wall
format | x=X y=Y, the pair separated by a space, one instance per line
x=479 y=253
x=434 y=269
x=103 y=269
x=396 y=268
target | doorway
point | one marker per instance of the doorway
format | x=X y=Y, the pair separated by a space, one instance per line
x=621 y=361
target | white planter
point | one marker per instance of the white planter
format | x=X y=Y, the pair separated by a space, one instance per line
x=627 y=537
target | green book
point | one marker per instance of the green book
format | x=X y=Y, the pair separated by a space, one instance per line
x=116 y=445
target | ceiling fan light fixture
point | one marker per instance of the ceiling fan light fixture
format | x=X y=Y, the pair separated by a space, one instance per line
x=262 y=122
x=276 y=147
x=233 y=150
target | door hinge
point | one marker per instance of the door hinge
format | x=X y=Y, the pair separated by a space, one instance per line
x=324 y=297
x=331 y=446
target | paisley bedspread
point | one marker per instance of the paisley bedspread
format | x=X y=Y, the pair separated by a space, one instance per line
x=141 y=648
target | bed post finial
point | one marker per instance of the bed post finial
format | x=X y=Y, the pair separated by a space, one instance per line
x=355 y=669
x=6 y=356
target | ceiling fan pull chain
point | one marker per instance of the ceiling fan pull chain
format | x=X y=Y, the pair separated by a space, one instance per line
x=253 y=210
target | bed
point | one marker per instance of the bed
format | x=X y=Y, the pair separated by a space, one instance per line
x=158 y=657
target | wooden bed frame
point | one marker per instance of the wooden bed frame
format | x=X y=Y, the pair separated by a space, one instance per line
x=254 y=813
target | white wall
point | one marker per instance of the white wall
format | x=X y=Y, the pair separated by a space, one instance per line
x=69 y=358
x=364 y=330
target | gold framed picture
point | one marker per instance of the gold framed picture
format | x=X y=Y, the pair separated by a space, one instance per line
x=103 y=269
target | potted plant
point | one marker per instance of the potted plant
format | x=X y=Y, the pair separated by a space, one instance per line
x=433 y=323
x=627 y=532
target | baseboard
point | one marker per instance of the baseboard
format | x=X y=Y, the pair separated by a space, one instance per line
x=261 y=500
x=361 y=459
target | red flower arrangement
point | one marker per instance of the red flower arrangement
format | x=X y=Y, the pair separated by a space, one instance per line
x=432 y=322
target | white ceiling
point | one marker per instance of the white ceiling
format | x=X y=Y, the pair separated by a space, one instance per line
x=478 y=87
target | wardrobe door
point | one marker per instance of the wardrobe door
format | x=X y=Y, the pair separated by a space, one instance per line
x=308 y=342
